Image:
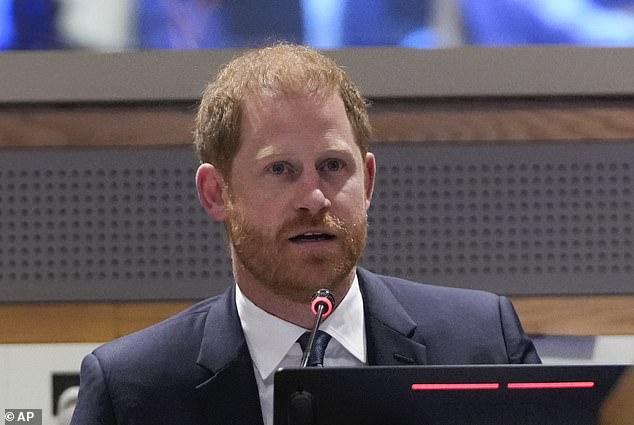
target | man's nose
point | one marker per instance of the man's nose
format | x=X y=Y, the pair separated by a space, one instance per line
x=310 y=195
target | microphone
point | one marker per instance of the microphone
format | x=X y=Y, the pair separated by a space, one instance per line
x=300 y=409
x=322 y=304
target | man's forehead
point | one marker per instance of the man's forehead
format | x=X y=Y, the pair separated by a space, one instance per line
x=258 y=110
x=253 y=99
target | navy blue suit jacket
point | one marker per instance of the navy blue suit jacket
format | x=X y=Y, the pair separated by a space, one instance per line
x=195 y=367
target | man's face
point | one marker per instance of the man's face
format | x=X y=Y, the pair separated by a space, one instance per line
x=298 y=196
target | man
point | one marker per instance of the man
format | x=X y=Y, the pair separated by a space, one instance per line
x=283 y=139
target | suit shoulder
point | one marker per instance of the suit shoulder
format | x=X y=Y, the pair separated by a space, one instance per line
x=405 y=289
x=174 y=333
x=456 y=325
x=424 y=301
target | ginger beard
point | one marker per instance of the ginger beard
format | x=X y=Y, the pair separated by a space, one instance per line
x=272 y=260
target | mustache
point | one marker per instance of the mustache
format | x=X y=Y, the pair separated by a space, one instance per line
x=325 y=221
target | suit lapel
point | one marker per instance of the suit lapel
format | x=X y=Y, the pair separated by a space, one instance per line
x=230 y=396
x=391 y=335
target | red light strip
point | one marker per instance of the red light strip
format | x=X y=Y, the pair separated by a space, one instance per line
x=448 y=387
x=496 y=386
x=548 y=385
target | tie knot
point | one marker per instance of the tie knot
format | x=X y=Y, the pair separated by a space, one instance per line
x=316 y=357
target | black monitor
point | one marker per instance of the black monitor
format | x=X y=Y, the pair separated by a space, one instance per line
x=444 y=395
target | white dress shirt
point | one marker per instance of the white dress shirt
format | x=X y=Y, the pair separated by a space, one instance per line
x=273 y=343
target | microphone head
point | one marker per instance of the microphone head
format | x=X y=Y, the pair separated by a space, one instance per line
x=324 y=298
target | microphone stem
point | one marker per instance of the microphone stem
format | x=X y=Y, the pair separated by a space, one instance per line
x=311 y=339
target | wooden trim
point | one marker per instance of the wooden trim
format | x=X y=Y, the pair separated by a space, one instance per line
x=79 y=322
x=93 y=126
x=577 y=315
x=98 y=322
x=489 y=121
x=425 y=120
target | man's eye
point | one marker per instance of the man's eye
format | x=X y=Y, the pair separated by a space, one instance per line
x=333 y=165
x=278 y=168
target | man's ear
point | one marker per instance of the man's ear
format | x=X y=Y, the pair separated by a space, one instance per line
x=370 y=173
x=211 y=191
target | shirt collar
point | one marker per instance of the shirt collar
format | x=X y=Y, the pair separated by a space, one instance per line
x=270 y=338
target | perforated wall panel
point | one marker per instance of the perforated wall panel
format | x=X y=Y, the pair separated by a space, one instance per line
x=514 y=219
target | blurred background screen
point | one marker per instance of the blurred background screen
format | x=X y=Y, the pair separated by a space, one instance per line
x=117 y=25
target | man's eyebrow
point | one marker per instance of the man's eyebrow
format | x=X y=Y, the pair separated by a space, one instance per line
x=267 y=152
x=338 y=150
x=271 y=152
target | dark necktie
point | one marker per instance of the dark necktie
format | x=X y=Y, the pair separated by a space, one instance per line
x=316 y=357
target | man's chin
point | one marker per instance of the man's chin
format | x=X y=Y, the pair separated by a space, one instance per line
x=299 y=293
x=301 y=282
x=324 y=258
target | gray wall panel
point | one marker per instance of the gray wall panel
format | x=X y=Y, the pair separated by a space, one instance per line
x=514 y=219
x=159 y=75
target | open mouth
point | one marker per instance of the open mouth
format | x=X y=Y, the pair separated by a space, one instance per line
x=312 y=237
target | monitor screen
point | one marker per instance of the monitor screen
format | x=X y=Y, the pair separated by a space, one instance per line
x=444 y=395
